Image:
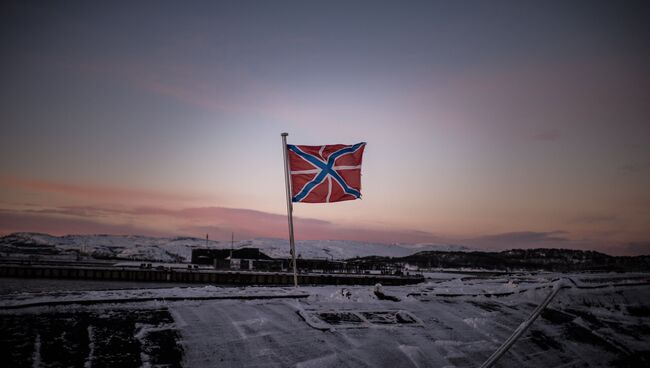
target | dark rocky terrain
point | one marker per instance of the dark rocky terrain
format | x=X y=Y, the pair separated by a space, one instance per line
x=562 y=260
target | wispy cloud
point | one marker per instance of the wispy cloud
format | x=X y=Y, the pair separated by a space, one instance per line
x=218 y=221
x=15 y=221
x=183 y=83
x=594 y=219
x=545 y=135
x=217 y=88
x=95 y=192
x=635 y=168
x=522 y=239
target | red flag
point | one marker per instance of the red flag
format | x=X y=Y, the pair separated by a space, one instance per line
x=330 y=173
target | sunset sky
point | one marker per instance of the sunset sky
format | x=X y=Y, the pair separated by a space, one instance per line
x=492 y=124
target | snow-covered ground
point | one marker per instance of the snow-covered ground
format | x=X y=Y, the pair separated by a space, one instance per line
x=452 y=320
x=179 y=249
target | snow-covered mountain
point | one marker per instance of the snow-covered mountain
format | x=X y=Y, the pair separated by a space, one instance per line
x=342 y=249
x=179 y=249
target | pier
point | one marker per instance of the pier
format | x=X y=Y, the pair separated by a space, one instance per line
x=216 y=277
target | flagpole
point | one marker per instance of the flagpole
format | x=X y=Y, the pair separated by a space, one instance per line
x=287 y=178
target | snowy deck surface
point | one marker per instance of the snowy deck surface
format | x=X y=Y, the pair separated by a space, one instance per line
x=450 y=321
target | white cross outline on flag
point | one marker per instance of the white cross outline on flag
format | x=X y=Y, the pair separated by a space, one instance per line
x=325 y=170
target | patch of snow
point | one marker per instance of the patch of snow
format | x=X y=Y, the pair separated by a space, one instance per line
x=462 y=330
x=91 y=347
x=36 y=356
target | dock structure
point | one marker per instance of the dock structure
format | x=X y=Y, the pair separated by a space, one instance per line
x=219 y=277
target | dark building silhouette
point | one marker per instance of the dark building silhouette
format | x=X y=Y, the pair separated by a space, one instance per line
x=241 y=259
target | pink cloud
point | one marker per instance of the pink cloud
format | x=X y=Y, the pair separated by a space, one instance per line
x=264 y=224
x=183 y=83
x=13 y=221
x=95 y=192
x=218 y=221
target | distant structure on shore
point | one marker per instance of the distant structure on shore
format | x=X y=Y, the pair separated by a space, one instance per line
x=236 y=259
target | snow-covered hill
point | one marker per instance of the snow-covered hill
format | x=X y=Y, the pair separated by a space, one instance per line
x=179 y=249
x=342 y=249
